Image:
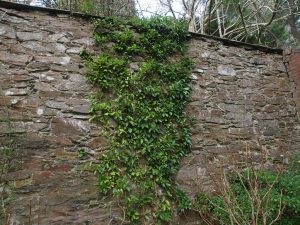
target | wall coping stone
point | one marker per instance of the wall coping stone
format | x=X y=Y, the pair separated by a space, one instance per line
x=19 y=6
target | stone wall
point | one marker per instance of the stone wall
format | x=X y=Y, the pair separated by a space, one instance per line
x=242 y=99
x=292 y=61
x=243 y=106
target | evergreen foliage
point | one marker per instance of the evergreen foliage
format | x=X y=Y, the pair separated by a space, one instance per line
x=143 y=114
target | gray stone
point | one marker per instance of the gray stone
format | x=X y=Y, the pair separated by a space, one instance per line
x=226 y=70
x=56 y=105
x=259 y=61
x=2 y=31
x=83 y=109
x=6 y=31
x=55 y=37
x=60 y=60
x=16 y=92
x=86 y=41
x=65 y=68
x=30 y=36
x=56 y=47
x=15 y=19
x=76 y=82
x=193 y=77
x=37 y=66
x=43 y=86
x=74 y=50
x=199 y=71
x=14 y=58
x=33 y=45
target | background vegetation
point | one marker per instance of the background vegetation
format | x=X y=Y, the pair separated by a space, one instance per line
x=274 y=23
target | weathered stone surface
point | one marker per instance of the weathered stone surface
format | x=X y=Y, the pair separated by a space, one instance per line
x=74 y=50
x=58 y=37
x=16 y=92
x=242 y=102
x=56 y=105
x=6 y=31
x=14 y=58
x=68 y=127
x=83 y=109
x=226 y=70
x=65 y=68
x=236 y=107
x=97 y=142
x=37 y=66
x=29 y=36
x=64 y=60
x=56 y=47
x=33 y=45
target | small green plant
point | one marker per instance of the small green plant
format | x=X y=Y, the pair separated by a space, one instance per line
x=143 y=115
x=82 y=153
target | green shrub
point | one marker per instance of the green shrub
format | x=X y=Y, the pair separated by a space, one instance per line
x=256 y=197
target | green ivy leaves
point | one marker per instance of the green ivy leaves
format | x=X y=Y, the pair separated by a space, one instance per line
x=143 y=114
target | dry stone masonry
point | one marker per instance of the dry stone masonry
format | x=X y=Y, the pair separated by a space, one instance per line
x=243 y=101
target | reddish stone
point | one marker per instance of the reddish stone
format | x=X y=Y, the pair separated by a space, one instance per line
x=60 y=168
x=97 y=142
x=61 y=126
x=293 y=60
x=59 y=140
x=63 y=154
x=34 y=164
x=42 y=177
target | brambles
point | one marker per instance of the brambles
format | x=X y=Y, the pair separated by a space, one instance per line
x=256 y=197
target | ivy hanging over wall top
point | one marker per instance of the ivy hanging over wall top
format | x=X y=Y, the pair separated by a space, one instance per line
x=142 y=110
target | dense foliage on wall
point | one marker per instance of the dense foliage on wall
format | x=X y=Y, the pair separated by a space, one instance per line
x=142 y=111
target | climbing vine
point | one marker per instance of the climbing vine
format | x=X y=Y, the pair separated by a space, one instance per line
x=143 y=80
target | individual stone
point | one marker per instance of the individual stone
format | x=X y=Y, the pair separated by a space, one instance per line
x=259 y=61
x=55 y=37
x=62 y=141
x=65 y=68
x=74 y=50
x=67 y=127
x=85 y=41
x=76 y=82
x=56 y=47
x=15 y=59
x=18 y=175
x=37 y=66
x=35 y=46
x=40 y=111
x=56 y=105
x=30 y=36
x=2 y=31
x=205 y=55
x=83 y=109
x=226 y=70
x=64 y=60
x=32 y=127
x=199 y=71
x=6 y=31
x=15 y=19
x=193 y=77
x=43 y=86
x=97 y=142
x=16 y=92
